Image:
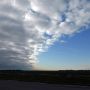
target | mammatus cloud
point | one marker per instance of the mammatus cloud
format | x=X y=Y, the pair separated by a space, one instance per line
x=29 y=27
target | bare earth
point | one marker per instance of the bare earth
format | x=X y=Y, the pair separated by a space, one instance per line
x=16 y=85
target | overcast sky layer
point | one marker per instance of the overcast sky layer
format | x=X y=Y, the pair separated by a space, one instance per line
x=30 y=27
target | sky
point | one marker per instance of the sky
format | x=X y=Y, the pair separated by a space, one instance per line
x=44 y=34
x=72 y=53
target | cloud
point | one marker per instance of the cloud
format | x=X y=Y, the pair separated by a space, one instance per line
x=29 y=27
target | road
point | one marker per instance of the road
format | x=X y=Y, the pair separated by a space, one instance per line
x=17 y=85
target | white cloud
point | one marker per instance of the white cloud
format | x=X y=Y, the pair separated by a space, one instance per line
x=29 y=27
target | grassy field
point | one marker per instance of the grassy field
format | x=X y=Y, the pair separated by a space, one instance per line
x=72 y=77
